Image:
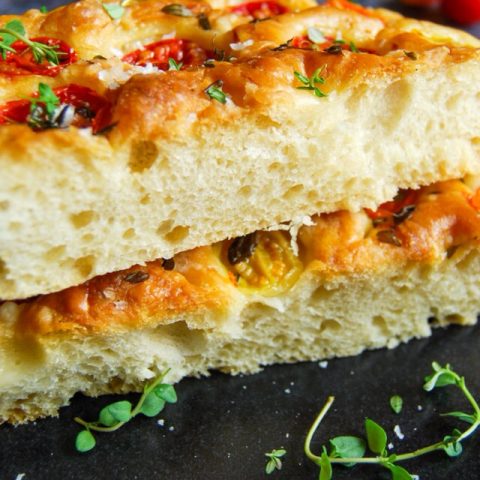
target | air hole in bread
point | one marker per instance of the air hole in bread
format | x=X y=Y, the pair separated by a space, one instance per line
x=179 y=233
x=54 y=253
x=476 y=141
x=15 y=226
x=88 y=237
x=165 y=227
x=142 y=155
x=274 y=167
x=130 y=233
x=321 y=294
x=465 y=261
x=454 y=100
x=84 y=265
x=330 y=326
x=145 y=200
x=293 y=192
x=245 y=191
x=4 y=205
x=380 y=322
x=82 y=219
x=398 y=98
x=3 y=267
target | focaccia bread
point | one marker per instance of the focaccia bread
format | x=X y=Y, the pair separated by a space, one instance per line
x=360 y=280
x=268 y=120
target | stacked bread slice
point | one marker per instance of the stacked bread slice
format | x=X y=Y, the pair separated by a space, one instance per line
x=307 y=189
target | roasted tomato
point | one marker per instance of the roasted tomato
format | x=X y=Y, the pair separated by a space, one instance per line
x=23 y=62
x=77 y=105
x=462 y=11
x=259 y=10
x=158 y=54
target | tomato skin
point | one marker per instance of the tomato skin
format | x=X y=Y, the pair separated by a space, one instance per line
x=259 y=10
x=387 y=209
x=463 y=12
x=421 y=3
x=95 y=109
x=158 y=53
x=23 y=63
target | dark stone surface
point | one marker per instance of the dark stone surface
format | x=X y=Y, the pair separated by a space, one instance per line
x=223 y=425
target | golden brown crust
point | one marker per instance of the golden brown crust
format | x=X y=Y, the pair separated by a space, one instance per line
x=439 y=218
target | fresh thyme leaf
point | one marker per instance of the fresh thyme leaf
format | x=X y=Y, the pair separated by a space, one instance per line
x=311 y=83
x=115 y=413
x=47 y=97
x=152 y=405
x=334 y=50
x=177 y=9
x=398 y=473
x=353 y=47
x=115 y=11
x=274 y=461
x=348 y=446
x=215 y=92
x=43 y=9
x=326 y=472
x=452 y=448
x=410 y=55
x=441 y=377
x=339 y=41
x=173 y=65
x=396 y=402
x=376 y=437
x=85 y=441
x=166 y=392
x=315 y=35
x=464 y=417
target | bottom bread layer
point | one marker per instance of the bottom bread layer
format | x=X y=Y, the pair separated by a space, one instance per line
x=321 y=316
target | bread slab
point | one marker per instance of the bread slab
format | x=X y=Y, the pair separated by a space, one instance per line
x=179 y=170
x=354 y=288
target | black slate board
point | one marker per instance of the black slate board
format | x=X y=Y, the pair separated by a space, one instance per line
x=223 y=425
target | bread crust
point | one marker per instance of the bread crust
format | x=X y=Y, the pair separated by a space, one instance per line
x=75 y=205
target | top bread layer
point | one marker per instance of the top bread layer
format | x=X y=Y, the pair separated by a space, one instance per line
x=232 y=121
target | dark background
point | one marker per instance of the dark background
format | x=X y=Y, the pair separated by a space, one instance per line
x=222 y=426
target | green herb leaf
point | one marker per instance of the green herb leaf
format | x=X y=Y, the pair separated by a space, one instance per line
x=452 y=448
x=376 y=437
x=115 y=413
x=166 y=392
x=311 y=83
x=47 y=97
x=315 y=35
x=396 y=402
x=43 y=9
x=325 y=467
x=347 y=446
x=274 y=462
x=152 y=405
x=173 y=65
x=441 y=377
x=464 y=417
x=114 y=10
x=177 y=9
x=398 y=473
x=85 y=441
x=215 y=92
x=353 y=47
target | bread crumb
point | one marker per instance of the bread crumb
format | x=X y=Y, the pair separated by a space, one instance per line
x=171 y=429
x=161 y=422
x=323 y=364
x=287 y=390
x=419 y=408
x=390 y=446
x=20 y=476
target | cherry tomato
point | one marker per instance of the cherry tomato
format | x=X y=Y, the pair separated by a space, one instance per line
x=346 y=5
x=387 y=209
x=462 y=11
x=158 y=53
x=259 y=10
x=22 y=62
x=421 y=3
x=90 y=109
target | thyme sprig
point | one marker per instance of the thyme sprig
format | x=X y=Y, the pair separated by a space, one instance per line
x=350 y=451
x=14 y=30
x=112 y=417
x=274 y=461
x=310 y=83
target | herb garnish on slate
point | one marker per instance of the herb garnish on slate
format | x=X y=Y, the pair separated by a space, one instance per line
x=350 y=451
x=112 y=417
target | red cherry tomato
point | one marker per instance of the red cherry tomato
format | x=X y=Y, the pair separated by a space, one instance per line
x=158 y=53
x=259 y=10
x=22 y=61
x=462 y=11
x=403 y=199
x=91 y=109
x=420 y=3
